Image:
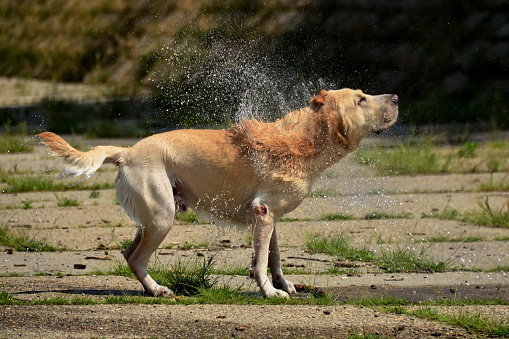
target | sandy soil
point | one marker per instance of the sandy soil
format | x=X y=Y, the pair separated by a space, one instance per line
x=92 y=232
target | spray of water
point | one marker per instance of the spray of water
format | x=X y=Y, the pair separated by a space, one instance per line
x=232 y=82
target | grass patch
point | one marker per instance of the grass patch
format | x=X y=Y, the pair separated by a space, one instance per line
x=23 y=242
x=189 y=216
x=486 y=216
x=444 y=238
x=94 y=194
x=336 y=216
x=67 y=202
x=289 y=219
x=383 y=215
x=187 y=277
x=338 y=244
x=19 y=184
x=425 y=157
x=398 y=259
x=15 y=141
x=403 y=159
x=474 y=322
x=405 y=259
x=448 y=214
x=489 y=217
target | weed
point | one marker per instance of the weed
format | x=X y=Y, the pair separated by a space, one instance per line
x=338 y=244
x=188 y=216
x=488 y=217
x=7 y=299
x=23 y=242
x=18 y=184
x=15 y=141
x=190 y=245
x=289 y=219
x=233 y=270
x=94 y=195
x=403 y=259
x=390 y=259
x=27 y=204
x=468 y=150
x=68 y=202
x=123 y=244
x=336 y=216
x=187 y=278
x=444 y=214
x=444 y=238
x=475 y=322
x=383 y=215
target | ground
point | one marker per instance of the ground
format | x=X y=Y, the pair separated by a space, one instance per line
x=92 y=233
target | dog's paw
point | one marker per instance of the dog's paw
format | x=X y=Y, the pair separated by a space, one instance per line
x=275 y=293
x=284 y=285
x=290 y=288
x=163 y=291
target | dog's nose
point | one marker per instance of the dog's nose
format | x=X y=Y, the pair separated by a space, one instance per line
x=394 y=99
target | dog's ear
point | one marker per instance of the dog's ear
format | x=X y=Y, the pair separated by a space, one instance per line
x=319 y=100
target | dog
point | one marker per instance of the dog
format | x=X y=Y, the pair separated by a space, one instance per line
x=252 y=173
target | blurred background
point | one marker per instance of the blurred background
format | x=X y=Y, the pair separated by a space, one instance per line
x=131 y=68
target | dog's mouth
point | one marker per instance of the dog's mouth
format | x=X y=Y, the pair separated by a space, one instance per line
x=389 y=114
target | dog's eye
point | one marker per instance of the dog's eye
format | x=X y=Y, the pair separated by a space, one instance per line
x=361 y=101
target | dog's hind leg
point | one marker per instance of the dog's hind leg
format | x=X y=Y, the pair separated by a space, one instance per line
x=147 y=197
x=275 y=266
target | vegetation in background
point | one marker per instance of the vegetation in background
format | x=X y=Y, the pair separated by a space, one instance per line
x=427 y=157
x=36 y=183
x=15 y=141
x=170 y=47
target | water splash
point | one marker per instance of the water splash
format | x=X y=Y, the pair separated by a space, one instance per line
x=234 y=81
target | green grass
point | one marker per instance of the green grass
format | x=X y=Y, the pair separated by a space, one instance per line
x=67 y=202
x=23 y=242
x=392 y=259
x=444 y=238
x=189 y=216
x=322 y=193
x=406 y=258
x=338 y=244
x=447 y=214
x=15 y=141
x=336 y=216
x=485 y=216
x=426 y=157
x=19 y=184
x=405 y=158
x=94 y=195
x=474 y=322
x=383 y=215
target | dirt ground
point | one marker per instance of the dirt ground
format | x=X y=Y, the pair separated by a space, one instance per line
x=92 y=233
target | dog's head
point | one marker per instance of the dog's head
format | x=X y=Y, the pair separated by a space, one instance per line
x=352 y=114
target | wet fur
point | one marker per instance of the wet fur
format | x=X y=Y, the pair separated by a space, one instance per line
x=253 y=173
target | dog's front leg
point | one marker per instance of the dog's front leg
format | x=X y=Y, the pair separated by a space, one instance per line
x=278 y=279
x=263 y=228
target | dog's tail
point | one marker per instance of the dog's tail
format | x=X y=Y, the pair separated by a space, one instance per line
x=80 y=163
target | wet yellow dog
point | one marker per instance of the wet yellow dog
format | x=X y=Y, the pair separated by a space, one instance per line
x=252 y=173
